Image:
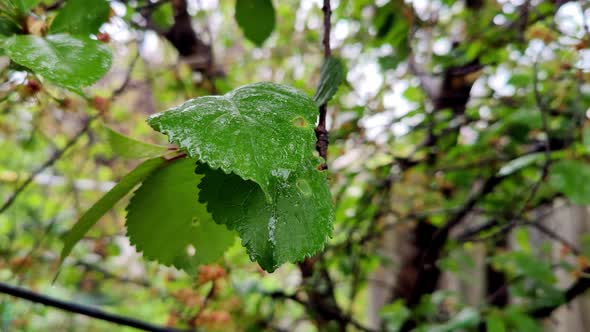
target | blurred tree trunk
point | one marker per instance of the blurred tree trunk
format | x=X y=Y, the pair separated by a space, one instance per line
x=570 y=223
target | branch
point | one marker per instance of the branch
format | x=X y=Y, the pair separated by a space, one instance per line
x=543 y=110
x=127 y=78
x=81 y=309
x=578 y=288
x=555 y=236
x=295 y=298
x=320 y=131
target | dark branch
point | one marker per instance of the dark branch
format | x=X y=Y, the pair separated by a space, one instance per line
x=578 y=288
x=81 y=309
x=321 y=131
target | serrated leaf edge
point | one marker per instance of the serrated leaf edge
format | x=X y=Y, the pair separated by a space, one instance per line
x=244 y=242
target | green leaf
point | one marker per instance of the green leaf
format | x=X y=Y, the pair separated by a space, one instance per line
x=128 y=147
x=30 y=4
x=413 y=94
x=466 y=318
x=521 y=321
x=7 y=27
x=256 y=18
x=21 y=6
x=522 y=264
x=331 y=76
x=494 y=323
x=68 y=61
x=586 y=138
x=163 y=16
x=26 y=5
x=81 y=17
x=165 y=218
x=519 y=163
x=520 y=80
x=261 y=132
x=390 y=62
x=296 y=224
x=394 y=315
x=90 y=217
x=572 y=178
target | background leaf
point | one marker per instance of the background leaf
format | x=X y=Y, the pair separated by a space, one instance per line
x=494 y=323
x=572 y=178
x=163 y=16
x=92 y=215
x=128 y=147
x=7 y=27
x=68 y=61
x=256 y=18
x=81 y=17
x=164 y=218
x=331 y=76
x=519 y=163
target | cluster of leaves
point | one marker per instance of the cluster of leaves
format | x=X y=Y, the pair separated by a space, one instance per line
x=275 y=183
x=257 y=170
x=260 y=136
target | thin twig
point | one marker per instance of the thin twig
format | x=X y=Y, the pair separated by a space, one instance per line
x=52 y=160
x=321 y=131
x=210 y=295
x=543 y=112
x=127 y=79
x=550 y=233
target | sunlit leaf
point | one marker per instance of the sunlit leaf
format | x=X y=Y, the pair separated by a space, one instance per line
x=261 y=131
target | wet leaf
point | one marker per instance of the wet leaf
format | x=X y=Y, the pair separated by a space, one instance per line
x=261 y=132
x=295 y=225
x=68 y=61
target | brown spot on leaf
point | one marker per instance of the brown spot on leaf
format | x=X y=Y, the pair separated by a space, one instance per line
x=299 y=122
